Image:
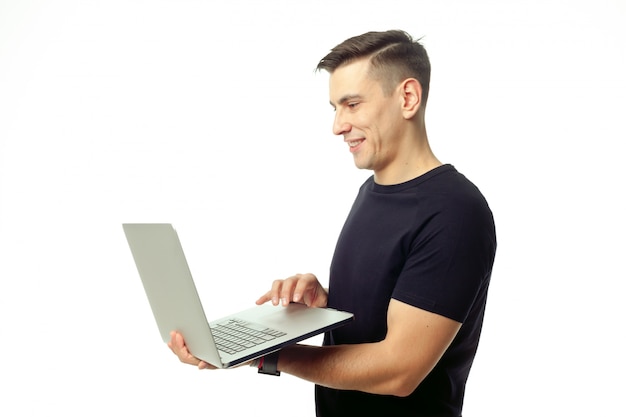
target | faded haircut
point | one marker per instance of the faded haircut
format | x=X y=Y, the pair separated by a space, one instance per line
x=394 y=56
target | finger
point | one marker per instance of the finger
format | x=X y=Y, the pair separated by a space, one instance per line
x=173 y=344
x=310 y=292
x=317 y=297
x=287 y=290
x=306 y=284
x=276 y=291
x=205 y=365
x=169 y=344
x=275 y=294
x=304 y=291
x=264 y=298
x=178 y=346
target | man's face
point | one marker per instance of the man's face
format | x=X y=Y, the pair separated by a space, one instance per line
x=369 y=120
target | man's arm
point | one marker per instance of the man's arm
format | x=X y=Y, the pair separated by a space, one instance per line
x=416 y=339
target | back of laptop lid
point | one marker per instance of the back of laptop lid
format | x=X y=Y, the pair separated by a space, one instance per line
x=169 y=286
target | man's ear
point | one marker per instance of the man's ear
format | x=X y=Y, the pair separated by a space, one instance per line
x=411 y=97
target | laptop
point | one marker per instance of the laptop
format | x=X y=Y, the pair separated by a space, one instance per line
x=234 y=338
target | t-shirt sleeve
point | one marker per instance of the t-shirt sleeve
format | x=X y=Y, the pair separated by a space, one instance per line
x=450 y=260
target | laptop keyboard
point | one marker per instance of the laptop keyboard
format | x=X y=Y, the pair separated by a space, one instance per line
x=234 y=336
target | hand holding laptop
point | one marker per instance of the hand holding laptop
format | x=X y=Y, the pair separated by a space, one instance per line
x=303 y=288
x=236 y=338
x=178 y=346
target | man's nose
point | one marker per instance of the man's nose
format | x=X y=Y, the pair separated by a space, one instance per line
x=340 y=126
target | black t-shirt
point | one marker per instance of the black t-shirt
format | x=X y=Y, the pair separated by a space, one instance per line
x=430 y=243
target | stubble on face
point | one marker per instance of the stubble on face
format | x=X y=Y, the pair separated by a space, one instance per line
x=364 y=115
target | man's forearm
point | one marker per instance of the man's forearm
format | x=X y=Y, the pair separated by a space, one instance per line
x=362 y=367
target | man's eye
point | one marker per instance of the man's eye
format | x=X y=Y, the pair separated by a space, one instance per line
x=352 y=105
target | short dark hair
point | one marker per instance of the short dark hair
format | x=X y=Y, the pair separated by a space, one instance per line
x=394 y=56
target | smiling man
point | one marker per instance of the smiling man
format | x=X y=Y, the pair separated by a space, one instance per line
x=368 y=110
x=413 y=261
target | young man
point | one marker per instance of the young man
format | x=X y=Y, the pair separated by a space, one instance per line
x=413 y=261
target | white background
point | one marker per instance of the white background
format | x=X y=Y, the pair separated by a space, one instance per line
x=208 y=114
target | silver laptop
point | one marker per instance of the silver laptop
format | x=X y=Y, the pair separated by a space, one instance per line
x=231 y=340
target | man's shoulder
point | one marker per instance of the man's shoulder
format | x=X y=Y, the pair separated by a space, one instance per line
x=442 y=190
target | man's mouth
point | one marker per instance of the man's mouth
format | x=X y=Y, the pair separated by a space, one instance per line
x=354 y=143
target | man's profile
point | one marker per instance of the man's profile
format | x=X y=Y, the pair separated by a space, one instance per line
x=413 y=261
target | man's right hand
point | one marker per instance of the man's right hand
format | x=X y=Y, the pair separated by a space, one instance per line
x=300 y=288
x=178 y=346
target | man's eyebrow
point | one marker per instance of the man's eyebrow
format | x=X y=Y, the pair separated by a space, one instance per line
x=345 y=98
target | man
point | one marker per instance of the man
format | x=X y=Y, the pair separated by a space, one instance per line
x=413 y=261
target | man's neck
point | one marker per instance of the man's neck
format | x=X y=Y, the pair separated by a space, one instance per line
x=414 y=159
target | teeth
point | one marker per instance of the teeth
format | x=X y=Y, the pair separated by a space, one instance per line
x=354 y=143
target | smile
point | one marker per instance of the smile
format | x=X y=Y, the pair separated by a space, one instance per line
x=355 y=143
